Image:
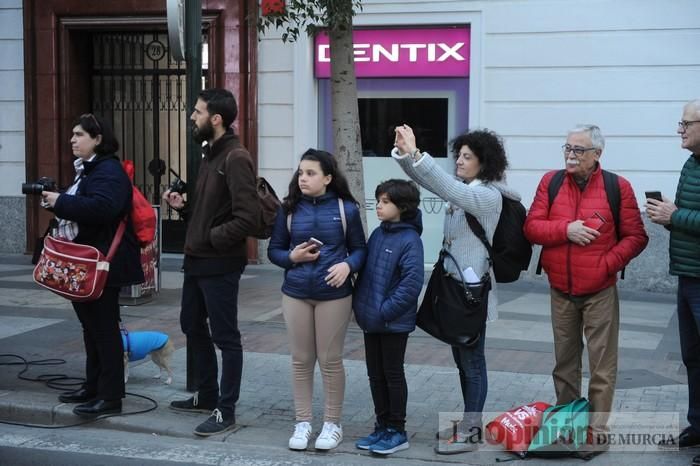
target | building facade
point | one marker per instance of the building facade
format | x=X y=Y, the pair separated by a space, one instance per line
x=69 y=57
x=529 y=70
x=535 y=69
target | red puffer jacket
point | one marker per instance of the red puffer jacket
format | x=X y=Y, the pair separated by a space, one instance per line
x=581 y=270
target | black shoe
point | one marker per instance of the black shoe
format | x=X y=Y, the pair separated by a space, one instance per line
x=687 y=439
x=696 y=460
x=194 y=405
x=98 y=407
x=78 y=396
x=216 y=424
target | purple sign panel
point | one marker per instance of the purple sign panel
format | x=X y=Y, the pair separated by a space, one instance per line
x=381 y=53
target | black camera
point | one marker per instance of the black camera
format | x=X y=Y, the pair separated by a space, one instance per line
x=42 y=184
x=177 y=186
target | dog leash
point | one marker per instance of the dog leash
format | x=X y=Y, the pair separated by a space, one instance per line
x=125 y=332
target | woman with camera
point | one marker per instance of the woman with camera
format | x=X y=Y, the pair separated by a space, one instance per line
x=90 y=212
x=477 y=188
x=319 y=241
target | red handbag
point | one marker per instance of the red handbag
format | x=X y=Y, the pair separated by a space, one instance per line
x=77 y=272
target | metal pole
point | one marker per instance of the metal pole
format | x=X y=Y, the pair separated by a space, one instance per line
x=193 y=55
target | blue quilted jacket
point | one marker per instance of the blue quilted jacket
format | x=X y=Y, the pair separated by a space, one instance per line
x=318 y=217
x=386 y=295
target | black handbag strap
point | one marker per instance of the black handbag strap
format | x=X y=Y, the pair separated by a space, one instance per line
x=441 y=259
x=478 y=230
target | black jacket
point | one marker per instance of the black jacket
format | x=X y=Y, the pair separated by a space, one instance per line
x=103 y=199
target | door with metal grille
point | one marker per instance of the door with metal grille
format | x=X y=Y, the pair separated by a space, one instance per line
x=141 y=90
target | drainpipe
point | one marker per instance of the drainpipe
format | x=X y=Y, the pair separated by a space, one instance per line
x=193 y=55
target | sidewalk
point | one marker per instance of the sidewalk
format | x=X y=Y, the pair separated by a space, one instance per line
x=37 y=325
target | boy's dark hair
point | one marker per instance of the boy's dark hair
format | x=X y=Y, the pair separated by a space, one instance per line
x=222 y=102
x=95 y=126
x=402 y=193
x=488 y=148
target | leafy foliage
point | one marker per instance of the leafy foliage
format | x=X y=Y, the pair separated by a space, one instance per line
x=308 y=16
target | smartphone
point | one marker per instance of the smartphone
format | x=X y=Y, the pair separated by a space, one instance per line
x=317 y=244
x=653 y=195
x=595 y=221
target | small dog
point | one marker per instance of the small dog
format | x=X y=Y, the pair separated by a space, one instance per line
x=138 y=345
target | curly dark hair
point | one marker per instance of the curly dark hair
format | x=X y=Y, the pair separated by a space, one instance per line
x=488 y=148
x=329 y=166
x=402 y=193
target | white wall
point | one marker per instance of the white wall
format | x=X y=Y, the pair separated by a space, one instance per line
x=539 y=67
x=287 y=107
x=12 y=172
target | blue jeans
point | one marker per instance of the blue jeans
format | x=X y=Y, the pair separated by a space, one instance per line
x=689 y=331
x=473 y=379
x=214 y=298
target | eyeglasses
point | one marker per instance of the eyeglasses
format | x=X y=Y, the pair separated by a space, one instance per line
x=91 y=116
x=685 y=123
x=578 y=151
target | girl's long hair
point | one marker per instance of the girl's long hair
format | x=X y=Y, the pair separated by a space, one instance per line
x=329 y=166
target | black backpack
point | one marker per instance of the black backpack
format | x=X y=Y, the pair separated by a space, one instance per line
x=612 y=192
x=511 y=251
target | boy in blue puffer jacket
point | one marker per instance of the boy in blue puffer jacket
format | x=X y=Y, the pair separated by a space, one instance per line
x=385 y=304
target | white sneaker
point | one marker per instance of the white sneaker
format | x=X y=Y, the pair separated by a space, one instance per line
x=330 y=437
x=300 y=439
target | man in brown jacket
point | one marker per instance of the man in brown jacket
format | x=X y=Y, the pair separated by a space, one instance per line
x=222 y=214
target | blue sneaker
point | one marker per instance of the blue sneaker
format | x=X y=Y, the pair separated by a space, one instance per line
x=391 y=442
x=365 y=442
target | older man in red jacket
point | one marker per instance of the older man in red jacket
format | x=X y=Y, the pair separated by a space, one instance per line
x=582 y=253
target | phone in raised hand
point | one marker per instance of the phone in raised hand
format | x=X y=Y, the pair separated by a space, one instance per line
x=316 y=244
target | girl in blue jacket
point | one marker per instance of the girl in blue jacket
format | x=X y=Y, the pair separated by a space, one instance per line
x=317 y=292
x=385 y=303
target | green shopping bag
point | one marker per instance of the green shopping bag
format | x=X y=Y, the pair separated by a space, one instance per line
x=563 y=431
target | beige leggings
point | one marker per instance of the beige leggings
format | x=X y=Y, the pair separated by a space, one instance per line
x=316 y=331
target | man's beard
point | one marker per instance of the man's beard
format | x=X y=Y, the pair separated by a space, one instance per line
x=205 y=133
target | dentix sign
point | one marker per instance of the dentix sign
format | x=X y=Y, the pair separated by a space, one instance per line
x=417 y=52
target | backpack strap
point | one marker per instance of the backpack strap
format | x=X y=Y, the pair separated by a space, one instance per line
x=343 y=220
x=478 y=230
x=612 y=192
x=552 y=190
x=555 y=185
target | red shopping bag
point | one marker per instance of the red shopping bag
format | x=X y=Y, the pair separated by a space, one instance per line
x=516 y=428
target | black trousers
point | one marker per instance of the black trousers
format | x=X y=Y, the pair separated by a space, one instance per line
x=384 y=355
x=104 y=354
x=214 y=298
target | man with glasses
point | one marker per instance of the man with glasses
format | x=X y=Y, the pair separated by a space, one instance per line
x=582 y=252
x=682 y=219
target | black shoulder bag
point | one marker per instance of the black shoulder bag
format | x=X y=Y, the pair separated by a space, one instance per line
x=454 y=311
